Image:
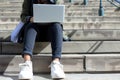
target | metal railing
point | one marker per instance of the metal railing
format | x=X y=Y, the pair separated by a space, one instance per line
x=101 y=9
x=116 y=3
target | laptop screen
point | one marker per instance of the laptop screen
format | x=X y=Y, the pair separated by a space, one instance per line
x=46 y=13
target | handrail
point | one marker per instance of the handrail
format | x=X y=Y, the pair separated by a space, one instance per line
x=118 y=1
x=111 y=1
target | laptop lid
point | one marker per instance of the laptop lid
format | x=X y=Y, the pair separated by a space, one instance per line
x=46 y=13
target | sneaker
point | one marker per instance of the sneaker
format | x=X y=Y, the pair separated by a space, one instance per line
x=57 y=70
x=26 y=70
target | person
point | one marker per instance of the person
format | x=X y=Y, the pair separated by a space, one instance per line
x=40 y=31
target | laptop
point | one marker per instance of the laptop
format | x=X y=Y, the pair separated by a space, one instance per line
x=47 y=13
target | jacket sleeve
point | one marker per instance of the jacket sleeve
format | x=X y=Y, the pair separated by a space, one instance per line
x=25 y=14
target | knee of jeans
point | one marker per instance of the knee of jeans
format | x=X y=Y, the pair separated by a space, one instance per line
x=31 y=25
x=57 y=26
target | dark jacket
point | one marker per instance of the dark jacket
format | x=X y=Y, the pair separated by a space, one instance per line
x=27 y=10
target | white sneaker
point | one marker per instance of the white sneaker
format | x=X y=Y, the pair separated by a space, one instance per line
x=57 y=70
x=26 y=71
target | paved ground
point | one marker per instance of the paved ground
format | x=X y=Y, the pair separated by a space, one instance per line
x=83 y=76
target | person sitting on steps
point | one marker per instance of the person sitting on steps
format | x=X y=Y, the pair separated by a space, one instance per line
x=32 y=31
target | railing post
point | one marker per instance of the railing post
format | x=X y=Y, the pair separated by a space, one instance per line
x=85 y=2
x=101 y=9
x=70 y=1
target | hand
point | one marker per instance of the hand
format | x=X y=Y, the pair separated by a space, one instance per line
x=31 y=19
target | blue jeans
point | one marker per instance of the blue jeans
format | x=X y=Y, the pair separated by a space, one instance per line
x=53 y=33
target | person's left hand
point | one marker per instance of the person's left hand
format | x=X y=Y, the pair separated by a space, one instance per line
x=31 y=19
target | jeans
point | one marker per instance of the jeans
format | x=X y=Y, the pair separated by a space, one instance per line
x=53 y=32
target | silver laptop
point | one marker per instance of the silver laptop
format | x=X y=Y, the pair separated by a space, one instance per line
x=46 y=13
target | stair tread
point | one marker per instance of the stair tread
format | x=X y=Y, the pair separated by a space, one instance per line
x=69 y=76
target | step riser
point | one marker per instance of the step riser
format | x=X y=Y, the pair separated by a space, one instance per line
x=75 y=63
x=67 y=9
x=87 y=35
x=94 y=34
x=103 y=63
x=70 y=19
x=10 y=64
x=79 y=3
x=73 y=14
x=73 y=26
x=22 y=0
x=93 y=47
x=10 y=0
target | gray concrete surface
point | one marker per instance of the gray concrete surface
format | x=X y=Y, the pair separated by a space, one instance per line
x=71 y=76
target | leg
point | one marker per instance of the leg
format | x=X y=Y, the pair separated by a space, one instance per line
x=29 y=41
x=56 y=38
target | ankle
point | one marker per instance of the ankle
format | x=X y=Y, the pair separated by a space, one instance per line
x=27 y=57
x=56 y=60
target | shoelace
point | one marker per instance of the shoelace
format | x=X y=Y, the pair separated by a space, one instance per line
x=61 y=66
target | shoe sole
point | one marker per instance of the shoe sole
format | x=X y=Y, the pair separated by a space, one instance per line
x=58 y=78
x=25 y=79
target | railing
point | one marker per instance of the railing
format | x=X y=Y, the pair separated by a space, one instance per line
x=116 y=3
x=101 y=9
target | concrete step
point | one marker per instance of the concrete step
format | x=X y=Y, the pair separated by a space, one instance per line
x=95 y=3
x=92 y=4
x=70 y=47
x=89 y=8
x=81 y=63
x=22 y=0
x=73 y=14
x=15 y=9
x=79 y=35
x=87 y=25
x=10 y=13
x=40 y=63
x=69 y=76
x=11 y=0
x=72 y=25
x=94 y=34
x=69 y=13
x=71 y=9
x=75 y=8
x=19 y=2
x=71 y=18
x=88 y=0
x=91 y=18
x=66 y=2
x=10 y=5
x=77 y=12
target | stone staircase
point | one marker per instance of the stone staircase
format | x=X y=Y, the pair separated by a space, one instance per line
x=94 y=45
